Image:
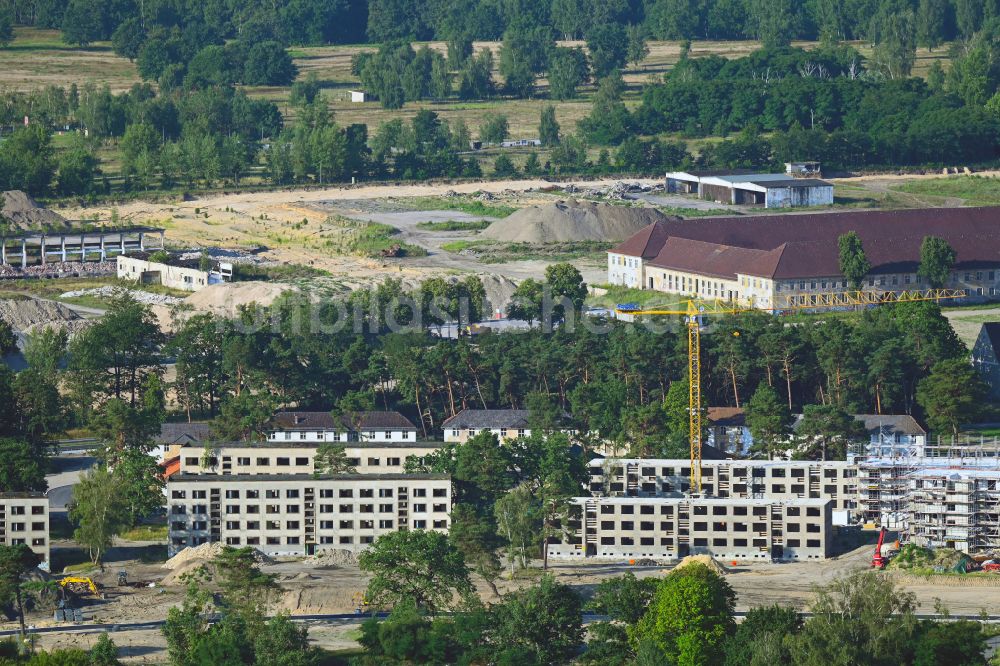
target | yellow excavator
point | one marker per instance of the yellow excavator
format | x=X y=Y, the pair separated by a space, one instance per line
x=79 y=585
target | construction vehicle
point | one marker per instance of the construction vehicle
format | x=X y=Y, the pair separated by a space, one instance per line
x=78 y=585
x=991 y=566
x=879 y=557
x=695 y=312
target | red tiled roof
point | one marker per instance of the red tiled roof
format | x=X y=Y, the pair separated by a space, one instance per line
x=805 y=245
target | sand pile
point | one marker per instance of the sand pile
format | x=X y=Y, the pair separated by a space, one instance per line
x=572 y=220
x=199 y=554
x=332 y=558
x=226 y=298
x=26 y=215
x=25 y=313
x=707 y=560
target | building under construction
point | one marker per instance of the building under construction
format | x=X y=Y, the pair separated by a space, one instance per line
x=885 y=481
x=957 y=509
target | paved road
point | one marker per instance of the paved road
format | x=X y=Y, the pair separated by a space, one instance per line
x=66 y=474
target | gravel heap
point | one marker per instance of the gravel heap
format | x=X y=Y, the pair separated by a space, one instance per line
x=567 y=221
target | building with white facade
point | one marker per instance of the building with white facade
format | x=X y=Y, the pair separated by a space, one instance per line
x=297 y=458
x=348 y=427
x=787 y=261
x=770 y=190
x=504 y=423
x=24 y=518
x=295 y=514
x=185 y=275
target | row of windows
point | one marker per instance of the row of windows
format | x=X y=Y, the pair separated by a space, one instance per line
x=275 y=509
x=630 y=262
x=735 y=472
x=23 y=527
x=21 y=510
x=294 y=493
x=716 y=542
x=649 y=526
x=717 y=510
x=37 y=541
x=504 y=432
x=339 y=436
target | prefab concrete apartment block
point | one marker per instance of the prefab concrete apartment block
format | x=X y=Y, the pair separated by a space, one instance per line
x=295 y=514
x=669 y=528
x=298 y=458
x=24 y=518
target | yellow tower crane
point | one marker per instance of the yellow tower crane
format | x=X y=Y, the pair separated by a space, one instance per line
x=694 y=311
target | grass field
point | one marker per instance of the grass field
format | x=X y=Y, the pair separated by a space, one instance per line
x=38 y=58
x=971 y=190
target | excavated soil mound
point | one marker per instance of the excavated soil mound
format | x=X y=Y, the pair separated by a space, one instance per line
x=702 y=559
x=567 y=221
x=24 y=314
x=332 y=558
x=197 y=555
x=26 y=215
x=226 y=298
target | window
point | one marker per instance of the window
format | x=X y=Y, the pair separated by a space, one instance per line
x=392 y=462
x=440 y=492
x=302 y=462
x=347 y=524
x=191 y=462
x=253 y=494
x=263 y=462
x=385 y=524
x=346 y=492
x=272 y=494
x=385 y=508
x=419 y=508
x=243 y=462
x=292 y=525
x=373 y=462
x=347 y=508
x=292 y=493
x=283 y=462
x=385 y=492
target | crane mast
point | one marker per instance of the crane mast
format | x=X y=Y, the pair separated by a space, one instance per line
x=693 y=318
x=694 y=396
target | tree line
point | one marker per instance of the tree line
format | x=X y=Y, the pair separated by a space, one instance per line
x=931 y=22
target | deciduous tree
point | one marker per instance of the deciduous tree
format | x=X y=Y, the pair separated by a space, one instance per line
x=417 y=565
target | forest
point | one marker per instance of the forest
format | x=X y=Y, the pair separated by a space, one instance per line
x=376 y=21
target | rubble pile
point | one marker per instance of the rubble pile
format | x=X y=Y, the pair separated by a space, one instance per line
x=59 y=270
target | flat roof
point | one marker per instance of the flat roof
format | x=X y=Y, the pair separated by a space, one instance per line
x=70 y=233
x=786 y=182
x=24 y=495
x=305 y=478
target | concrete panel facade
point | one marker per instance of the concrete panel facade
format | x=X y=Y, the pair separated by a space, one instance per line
x=300 y=515
x=617 y=528
x=376 y=458
x=24 y=518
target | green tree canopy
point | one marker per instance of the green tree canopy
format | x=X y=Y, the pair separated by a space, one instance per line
x=854 y=264
x=937 y=258
x=689 y=617
x=952 y=394
x=417 y=565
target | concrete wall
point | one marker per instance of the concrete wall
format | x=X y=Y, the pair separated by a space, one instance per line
x=175 y=277
x=789 y=197
x=297 y=459
x=300 y=516
x=835 y=481
x=672 y=528
x=24 y=518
